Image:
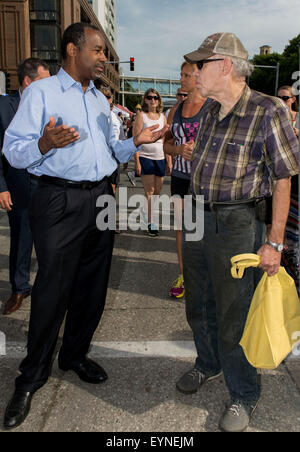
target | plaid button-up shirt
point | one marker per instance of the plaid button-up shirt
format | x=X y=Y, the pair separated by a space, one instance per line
x=239 y=157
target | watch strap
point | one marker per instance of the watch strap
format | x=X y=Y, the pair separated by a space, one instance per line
x=277 y=246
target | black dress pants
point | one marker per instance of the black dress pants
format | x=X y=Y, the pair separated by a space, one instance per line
x=20 y=234
x=74 y=259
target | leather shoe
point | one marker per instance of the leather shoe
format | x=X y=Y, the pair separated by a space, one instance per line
x=88 y=371
x=17 y=409
x=14 y=302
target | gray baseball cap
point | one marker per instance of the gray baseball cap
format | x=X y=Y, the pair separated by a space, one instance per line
x=226 y=44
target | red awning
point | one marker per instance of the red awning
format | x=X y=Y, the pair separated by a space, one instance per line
x=124 y=109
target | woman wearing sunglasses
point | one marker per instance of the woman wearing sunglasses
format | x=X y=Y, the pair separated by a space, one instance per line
x=285 y=93
x=150 y=160
x=290 y=256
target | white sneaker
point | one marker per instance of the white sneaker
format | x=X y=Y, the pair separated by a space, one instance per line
x=144 y=216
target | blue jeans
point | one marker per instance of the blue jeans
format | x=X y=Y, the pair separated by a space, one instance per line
x=216 y=304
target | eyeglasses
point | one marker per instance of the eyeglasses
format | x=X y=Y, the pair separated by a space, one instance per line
x=285 y=98
x=152 y=97
x=201 y=63
x=182 y=94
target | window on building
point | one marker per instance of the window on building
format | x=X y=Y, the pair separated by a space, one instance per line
x=45 y=10
x=45 y=31
x=45 y=41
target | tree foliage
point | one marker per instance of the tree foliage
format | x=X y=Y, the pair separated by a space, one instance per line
x=264 y=79
x=132 y=100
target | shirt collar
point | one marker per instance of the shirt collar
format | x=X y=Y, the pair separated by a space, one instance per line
x=67 y=81
x=239 y=109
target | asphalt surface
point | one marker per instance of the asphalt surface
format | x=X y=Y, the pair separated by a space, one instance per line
x=145 y=344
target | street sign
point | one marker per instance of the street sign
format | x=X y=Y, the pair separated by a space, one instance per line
x=2 y=83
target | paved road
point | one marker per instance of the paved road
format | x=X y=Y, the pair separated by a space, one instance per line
x=145 y=344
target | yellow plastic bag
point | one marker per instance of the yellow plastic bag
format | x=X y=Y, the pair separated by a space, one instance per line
x=273 y=323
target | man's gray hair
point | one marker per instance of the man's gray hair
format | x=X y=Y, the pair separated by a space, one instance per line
x=242 y=68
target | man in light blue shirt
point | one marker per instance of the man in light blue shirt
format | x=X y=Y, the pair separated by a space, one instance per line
x=63 y=134
x=62 y=101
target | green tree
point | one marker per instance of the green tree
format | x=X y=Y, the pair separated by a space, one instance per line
x=289 y=61
x=131 y=101
x=263 y=79
x=293 y=47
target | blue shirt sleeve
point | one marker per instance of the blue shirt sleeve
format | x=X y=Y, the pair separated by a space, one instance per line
x=22 y=136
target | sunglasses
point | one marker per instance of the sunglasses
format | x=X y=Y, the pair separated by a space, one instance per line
x=285 y=98
x=182 y=94
x=201 y=63
x=152 y=97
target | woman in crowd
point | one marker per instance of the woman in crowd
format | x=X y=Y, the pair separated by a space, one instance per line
x=115 y=177
x=150 y=160
x=290 y=256
x=285 y=93
x=184 y=120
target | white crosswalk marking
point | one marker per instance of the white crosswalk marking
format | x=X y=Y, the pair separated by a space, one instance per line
x=134 y=349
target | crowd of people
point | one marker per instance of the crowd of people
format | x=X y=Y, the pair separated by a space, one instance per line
x=236 y=147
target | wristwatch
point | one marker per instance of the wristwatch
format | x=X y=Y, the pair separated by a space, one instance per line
x=277 y=246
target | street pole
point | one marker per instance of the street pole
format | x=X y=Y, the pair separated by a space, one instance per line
x=277 y=79
x=123 y=95
x=2 y=83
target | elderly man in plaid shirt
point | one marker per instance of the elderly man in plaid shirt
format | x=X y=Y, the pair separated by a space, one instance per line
x=246 y=151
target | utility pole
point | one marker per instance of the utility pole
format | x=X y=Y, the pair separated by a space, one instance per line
x=277 y=79
x=2 y=83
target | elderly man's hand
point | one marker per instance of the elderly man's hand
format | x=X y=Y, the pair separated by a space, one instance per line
x=270 y=259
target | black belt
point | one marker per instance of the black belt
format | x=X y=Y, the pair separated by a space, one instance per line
x=213 y=206
x=84 y=185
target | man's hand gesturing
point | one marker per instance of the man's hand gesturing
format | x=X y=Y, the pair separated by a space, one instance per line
x=149 y=135
x=57 y=137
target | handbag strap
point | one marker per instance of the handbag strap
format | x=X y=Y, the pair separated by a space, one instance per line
x=180 y=119
x=201 y=111
x=242 y=261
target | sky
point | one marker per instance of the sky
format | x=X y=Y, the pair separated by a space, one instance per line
x=157 y=33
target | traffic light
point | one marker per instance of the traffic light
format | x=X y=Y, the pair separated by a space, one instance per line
x=132 y=64
x=7 y=81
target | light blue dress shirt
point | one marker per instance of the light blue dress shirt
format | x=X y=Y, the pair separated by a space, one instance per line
x=89 y=159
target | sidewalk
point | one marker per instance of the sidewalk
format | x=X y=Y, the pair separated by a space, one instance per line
x=145 y=344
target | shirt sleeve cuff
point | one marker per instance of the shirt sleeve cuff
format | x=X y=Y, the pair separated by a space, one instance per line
x=35 y=154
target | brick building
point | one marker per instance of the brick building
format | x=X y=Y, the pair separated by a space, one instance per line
x=33 y=28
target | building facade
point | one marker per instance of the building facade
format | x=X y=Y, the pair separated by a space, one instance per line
x=33 y=28
x=105 y=11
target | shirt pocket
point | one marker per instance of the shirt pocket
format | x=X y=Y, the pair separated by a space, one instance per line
x=235 y=160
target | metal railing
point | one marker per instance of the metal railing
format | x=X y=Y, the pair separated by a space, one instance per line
x=167 y=88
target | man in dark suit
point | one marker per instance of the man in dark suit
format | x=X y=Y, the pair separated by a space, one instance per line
x=16 y=186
